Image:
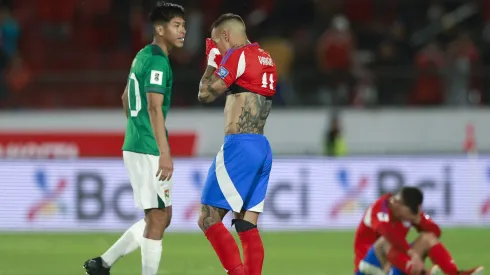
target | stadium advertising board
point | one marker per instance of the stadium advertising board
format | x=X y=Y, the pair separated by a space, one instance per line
x=79 y=144
x=304 y=194
x=369 y=132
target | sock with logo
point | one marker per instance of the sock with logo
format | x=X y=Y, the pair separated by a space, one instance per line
x=441 y=257
x=127 y=243
x=226 y=248
x=151 y=252
x=253 y=249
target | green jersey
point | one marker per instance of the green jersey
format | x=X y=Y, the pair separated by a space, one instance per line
x=150 y=73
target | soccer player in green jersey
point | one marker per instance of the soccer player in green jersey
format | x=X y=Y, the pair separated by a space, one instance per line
x=146 y=152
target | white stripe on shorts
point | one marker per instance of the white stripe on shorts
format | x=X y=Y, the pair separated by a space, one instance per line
x=226 y=185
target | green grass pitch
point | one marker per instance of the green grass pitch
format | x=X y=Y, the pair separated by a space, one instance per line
x=292 y=253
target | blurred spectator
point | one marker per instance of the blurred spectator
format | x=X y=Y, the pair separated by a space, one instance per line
x=282 y=53
x=360 y=12
x=56 y=16
x=388 y=58
x=141 y=32
x=398 y=35
x=429 y=85
x=9 y=35
x=462 y=59
x=123 y=12
x=370 y=54
x=18 y=77
x=9 y=32
x=334 y=141
x=335 y=50
x=392 y=55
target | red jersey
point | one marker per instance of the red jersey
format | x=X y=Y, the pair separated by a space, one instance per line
x=251 y=69
x=379 y=221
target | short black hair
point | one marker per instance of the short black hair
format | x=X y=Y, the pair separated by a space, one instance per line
x=165 y=12
x=226 y=17
x=412 y=197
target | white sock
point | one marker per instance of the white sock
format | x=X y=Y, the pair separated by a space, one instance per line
x=151 y=252
x=129 y=242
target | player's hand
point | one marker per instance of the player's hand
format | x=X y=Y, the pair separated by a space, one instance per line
x=165 y=167
x=415 y=219
x=210 y=45
x=417 y=264
x=213 y=54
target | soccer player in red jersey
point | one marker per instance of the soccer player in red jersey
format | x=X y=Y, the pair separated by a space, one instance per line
x=238 y=178
x=381 y=238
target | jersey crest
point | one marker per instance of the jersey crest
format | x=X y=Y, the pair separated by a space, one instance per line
x=223 y=72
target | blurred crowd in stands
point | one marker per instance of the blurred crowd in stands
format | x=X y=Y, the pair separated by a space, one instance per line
x=363 y=53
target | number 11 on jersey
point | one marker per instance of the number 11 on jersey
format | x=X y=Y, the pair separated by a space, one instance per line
x=271 y=81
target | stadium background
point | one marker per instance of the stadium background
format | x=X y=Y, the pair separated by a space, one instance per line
x=372 y=95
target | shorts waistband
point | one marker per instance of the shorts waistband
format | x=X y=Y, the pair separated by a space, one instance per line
x=244 y=137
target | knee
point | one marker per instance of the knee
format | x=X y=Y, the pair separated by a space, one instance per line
x=200 y=222
x=428 y=239
x=205 y=222
x=243 y=225
x=157 y=220
x=207 y=219
x=382 y=246
x=168 y=221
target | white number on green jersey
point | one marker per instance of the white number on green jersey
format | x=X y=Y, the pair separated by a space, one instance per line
x=133 y=84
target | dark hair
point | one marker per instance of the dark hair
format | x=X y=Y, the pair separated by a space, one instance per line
x=165 y=12
x=227 y=17
x=412 y=197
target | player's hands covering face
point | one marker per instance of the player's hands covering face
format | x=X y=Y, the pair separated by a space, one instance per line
x=165 y=167
x=213 y=54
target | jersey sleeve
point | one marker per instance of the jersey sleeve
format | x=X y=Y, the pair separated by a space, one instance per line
x=382 y=224
x=232 y=66
x=428 y=225
x=155 y=72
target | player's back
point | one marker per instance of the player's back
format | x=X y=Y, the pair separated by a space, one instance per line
x=366 y=232
x=150 y=72
x=248 y=103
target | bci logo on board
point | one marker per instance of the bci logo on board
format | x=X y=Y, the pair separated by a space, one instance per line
x=288 y=198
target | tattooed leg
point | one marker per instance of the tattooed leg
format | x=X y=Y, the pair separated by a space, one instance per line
x=221 y=239
x=210 y=215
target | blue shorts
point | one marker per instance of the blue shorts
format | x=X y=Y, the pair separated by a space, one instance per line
x=372 y=266
x=238 y=178
x=392 y=271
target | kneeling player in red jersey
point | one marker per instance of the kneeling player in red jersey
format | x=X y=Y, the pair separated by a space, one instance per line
x=391 y=218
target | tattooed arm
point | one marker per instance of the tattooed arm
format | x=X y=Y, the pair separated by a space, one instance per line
x=211 y=86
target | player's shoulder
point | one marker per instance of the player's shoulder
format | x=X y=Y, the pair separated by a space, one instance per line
x=248 y=49
x=152 y=53
x=255 y=50
x=381 y=204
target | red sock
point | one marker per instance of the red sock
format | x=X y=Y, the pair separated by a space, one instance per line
x=399 y=259
x=253 y=251
x=441 y=257
x=238 y=271
x=226 y=248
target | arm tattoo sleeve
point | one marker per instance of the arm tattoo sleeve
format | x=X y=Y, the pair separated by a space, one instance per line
x=211 y=86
